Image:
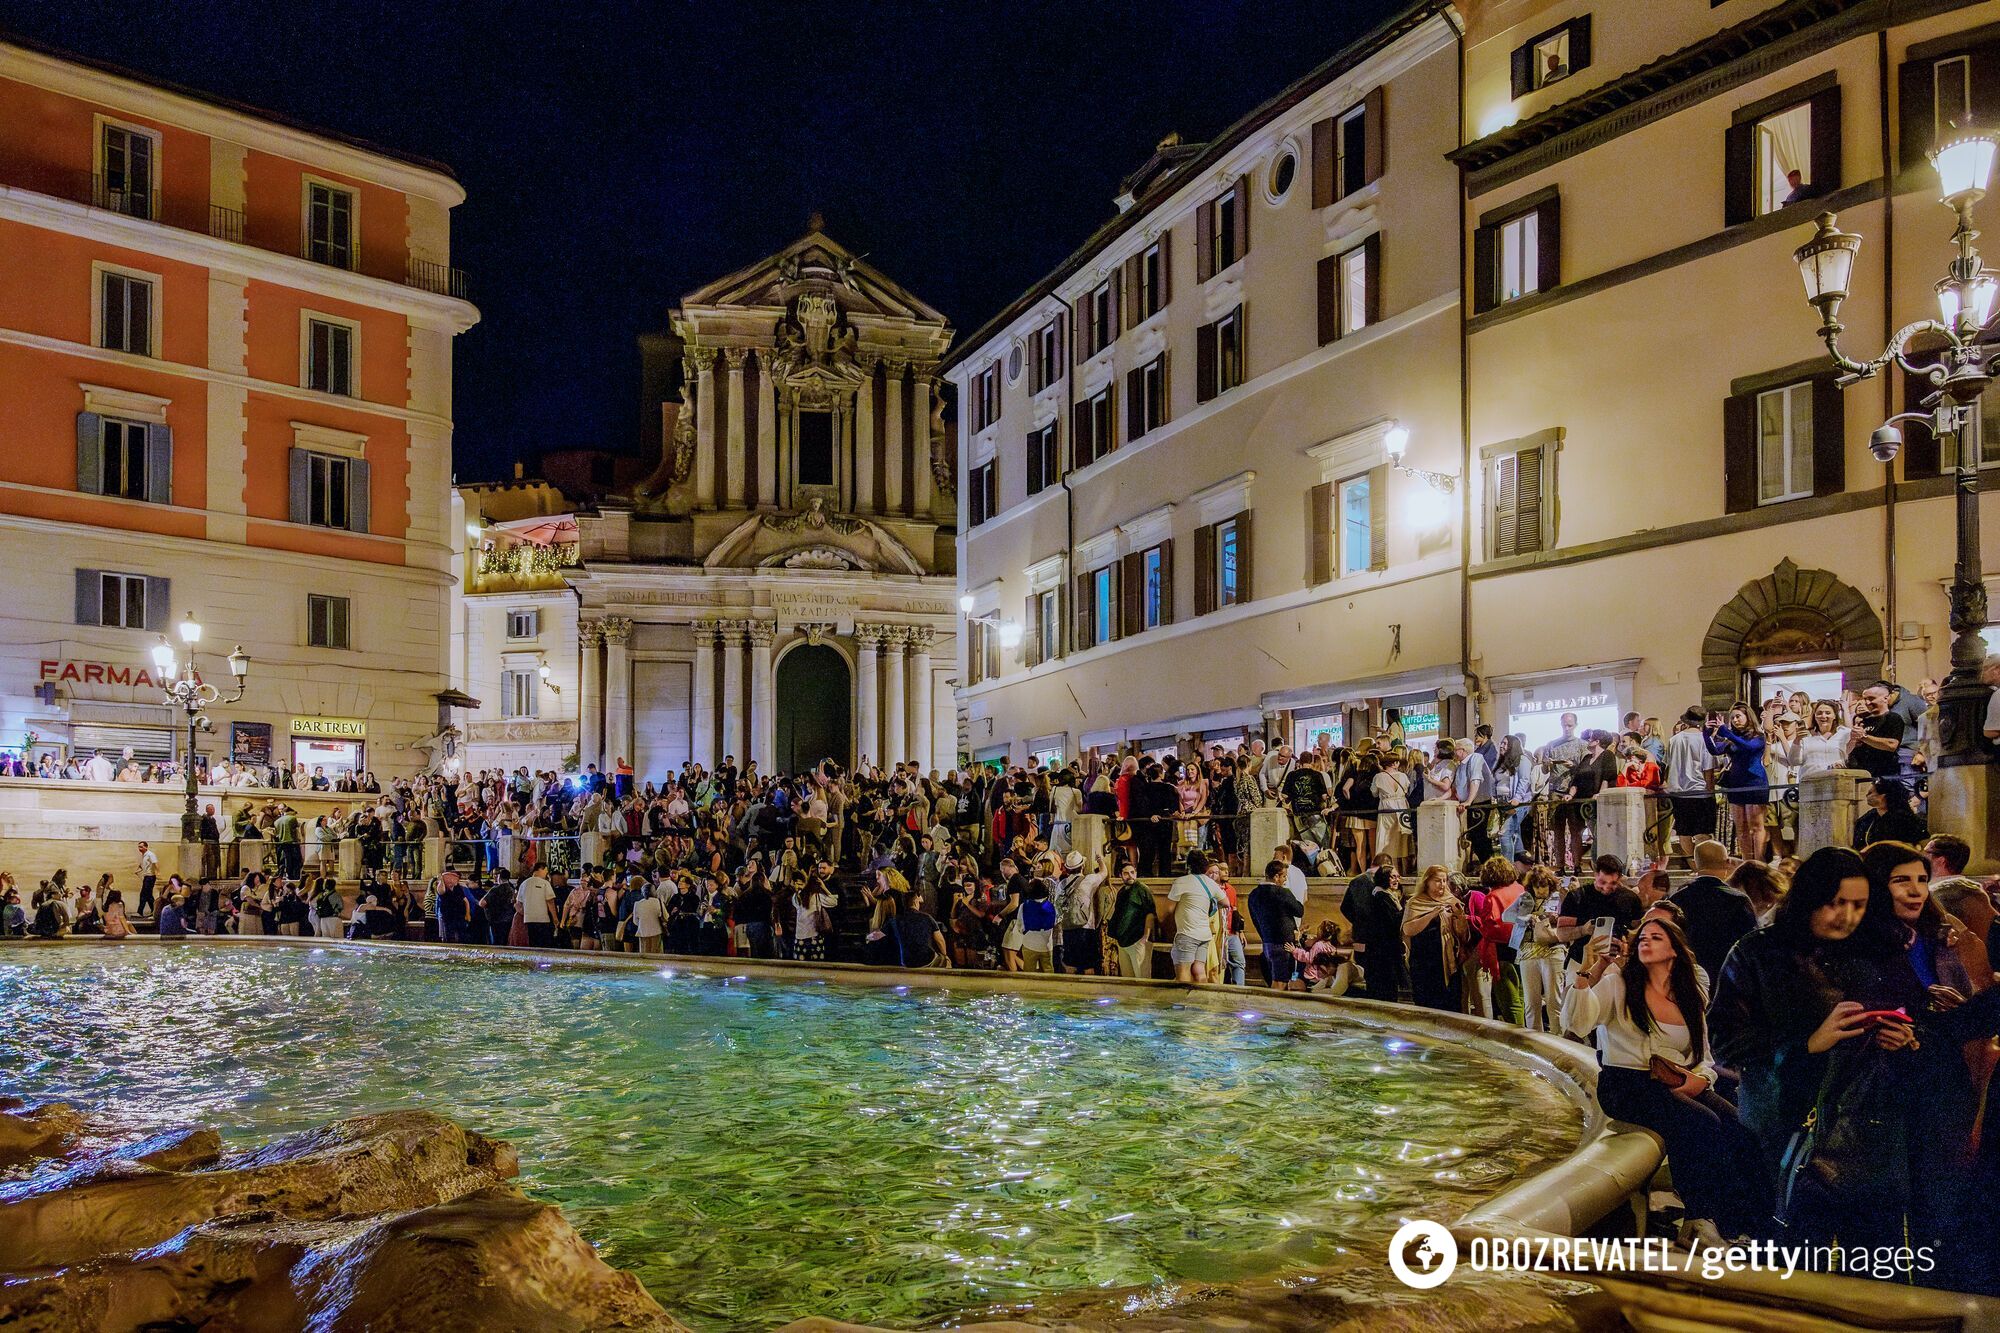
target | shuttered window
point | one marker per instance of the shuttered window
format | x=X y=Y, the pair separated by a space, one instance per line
x=1516 y=251
x=1044 y=461
x=983 y=495
x=1218 y=356
x=122 y=601
x=1093 y=432
x=1222 y=230
x=1514 y=503
x=1550 y=57
x=1785 y=439
x=1347 y=150
x=1949 y=82
x=329 y=490
x=1780 y=151
x=1045 y=347
x=1146 y=397
x=1043 y=640
x=1222 y=564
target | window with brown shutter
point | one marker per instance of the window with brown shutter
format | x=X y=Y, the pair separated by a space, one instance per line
x=1204 y=363
x=1146 y=397
x=1946 y=82
x=1083 y=608
x=1783 y=440
x=1241 y=238
x=1132 y=592
x=1243 y=545
x=1550 y=57
x=1204 y=241
x=1782 y=150
x=1519 y=494
x=1319 y=523
x=1083 y=337
x=1378 y=518
x=1516 y=250
x=1031 y=639
x=1323 y=159
x=1328 y=282
x=1230 y=357
x=1163 y=594
x=1135 y=298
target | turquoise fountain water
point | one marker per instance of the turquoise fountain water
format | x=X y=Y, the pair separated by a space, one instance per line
x=760 y=1150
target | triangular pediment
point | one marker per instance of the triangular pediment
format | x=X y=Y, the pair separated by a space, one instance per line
x=815 y=263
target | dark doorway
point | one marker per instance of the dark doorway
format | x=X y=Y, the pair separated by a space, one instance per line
x=815 y=708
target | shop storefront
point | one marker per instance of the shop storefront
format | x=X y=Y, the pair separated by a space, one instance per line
x=1048 y=751
x=1415 y=718
x=1309 y=728
x=332 y=745
x=1534 y=706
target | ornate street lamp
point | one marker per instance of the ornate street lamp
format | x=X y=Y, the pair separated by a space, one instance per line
x=183 y=686
x=1396 y=442
x=1961 y=373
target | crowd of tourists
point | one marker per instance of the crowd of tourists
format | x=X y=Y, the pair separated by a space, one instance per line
x=128 y=766
x=1811 y=1039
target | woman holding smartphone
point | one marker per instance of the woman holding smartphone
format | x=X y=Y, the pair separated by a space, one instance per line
x=1644 y=1006
x=1741 y=741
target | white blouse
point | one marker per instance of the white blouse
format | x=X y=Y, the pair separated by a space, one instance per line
x=1619 y=1040
x=1821 y=754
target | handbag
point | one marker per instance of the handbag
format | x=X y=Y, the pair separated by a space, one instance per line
x=1837 y=1158
x=1666 y=1071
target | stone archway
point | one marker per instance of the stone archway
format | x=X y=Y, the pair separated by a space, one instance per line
x=1790 y=613
x=815 y=712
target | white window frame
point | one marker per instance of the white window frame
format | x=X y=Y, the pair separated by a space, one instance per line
x=1152 y=587
x=520 y=692
x=1365 y=482
x=1232 y=324
x=1104 y=597
x=1521 y=233
x=1228 y=584
x=125 y=583
x=530 y=616
x=101 y=123
x=1557 y=40
x=1548 y=445
x=99 y=273
x=1151 y=373
x=307 y=182
x=1101 y=310
x=1152 y=280
x=1353 y=264
x=308 y=318
x=339 y=613
x=1359 y=111
x=1048 y=357
x=327 y=462
x=1770 y=185
x=1222 y=234
x=124 y=425
x=1791 y=489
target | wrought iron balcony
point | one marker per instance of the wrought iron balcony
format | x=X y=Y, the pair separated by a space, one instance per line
x=225 y=224
x=118 y=196
x=442 y=279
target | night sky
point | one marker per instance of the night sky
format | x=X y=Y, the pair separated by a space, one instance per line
x=615 y=156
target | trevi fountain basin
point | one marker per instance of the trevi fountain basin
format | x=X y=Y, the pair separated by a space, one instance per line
x=758 y=1144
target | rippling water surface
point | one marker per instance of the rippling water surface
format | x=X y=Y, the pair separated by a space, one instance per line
x=758 y=1151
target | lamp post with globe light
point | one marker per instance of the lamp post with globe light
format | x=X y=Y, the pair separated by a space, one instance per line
x=1961 y=793
x=184 y=687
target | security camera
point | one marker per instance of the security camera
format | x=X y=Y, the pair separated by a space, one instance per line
x=1885 y=443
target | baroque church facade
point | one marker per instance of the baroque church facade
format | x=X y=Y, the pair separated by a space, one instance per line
x=781 y=588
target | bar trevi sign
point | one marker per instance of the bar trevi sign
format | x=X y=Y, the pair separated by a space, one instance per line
x=330 y=728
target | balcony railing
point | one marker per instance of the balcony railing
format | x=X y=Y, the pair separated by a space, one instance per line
x=442 y=279
x=227 y=224
x=120 y=198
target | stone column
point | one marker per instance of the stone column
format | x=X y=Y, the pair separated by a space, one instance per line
x=894 y=434
x=895 y=744
x=920 y=697
x=1438 y=828
x=617 y=694
x=732 y=461
x=1621 y=823
x=1829 y=803
x=922 y=387
x=590 y=706
x=1269 y=826
x=763 y=698
x=732 y=689
x=701 y=363
x=701 y=734
x=867 y=688
x=864 y=439
x=767 y=435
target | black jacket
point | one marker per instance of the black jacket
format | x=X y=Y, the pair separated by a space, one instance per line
x=1717 y=917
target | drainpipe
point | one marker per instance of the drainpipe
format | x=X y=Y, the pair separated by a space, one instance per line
x=1065 y=632
x=1888 y=332
x=1472 y=683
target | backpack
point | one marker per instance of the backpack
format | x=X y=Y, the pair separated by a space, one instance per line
x=1074 y=901
x=1038 y=914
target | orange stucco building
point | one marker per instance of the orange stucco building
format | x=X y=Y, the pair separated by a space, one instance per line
x=225 y=369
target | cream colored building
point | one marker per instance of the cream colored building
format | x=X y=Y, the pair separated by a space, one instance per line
x=781 y=588
x=514 y=626
x=1179 y=479
x=1707 y=521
